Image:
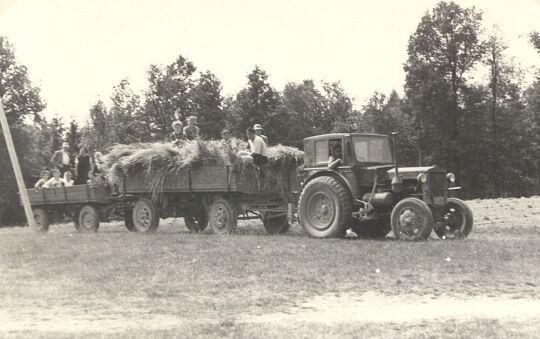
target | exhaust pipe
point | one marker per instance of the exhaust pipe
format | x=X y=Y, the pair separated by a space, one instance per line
x=397 y=182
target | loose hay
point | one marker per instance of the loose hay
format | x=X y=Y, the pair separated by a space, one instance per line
x=157 y=160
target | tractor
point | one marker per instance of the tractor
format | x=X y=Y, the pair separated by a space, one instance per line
x=353 y=181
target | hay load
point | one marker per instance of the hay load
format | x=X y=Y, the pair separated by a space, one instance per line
x=156 y=160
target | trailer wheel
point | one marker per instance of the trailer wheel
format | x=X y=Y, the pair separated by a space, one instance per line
x=325 y=208
x=411 y=219
x=145 y=217
x=457 y=221
x=196 y=221
x=42 y=220
x=88 y=219
x=128 y=221
x=223 y=216
x=376 y=228
x=274 y=223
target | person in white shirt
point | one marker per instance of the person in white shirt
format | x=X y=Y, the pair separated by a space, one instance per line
x=68 y=179
x=61 y=158
x=257 y=147
x=55 y=181
x=43 y=180
x=258 y=131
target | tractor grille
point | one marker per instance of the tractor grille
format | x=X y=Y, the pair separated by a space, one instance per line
x=436 y=184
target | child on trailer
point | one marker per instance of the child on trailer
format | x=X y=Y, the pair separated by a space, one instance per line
x=44 y=178
x=68 y=179
x=55 y=181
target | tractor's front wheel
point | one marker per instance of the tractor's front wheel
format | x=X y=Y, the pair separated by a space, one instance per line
x=325 y=208
x=457 y=221
x=411 y=219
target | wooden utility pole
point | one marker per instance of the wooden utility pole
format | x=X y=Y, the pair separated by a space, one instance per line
x=16 y=168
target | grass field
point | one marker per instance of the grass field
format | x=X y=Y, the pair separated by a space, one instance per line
x=176 y=284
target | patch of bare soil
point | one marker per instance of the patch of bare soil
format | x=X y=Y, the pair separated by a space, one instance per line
x=373 y=307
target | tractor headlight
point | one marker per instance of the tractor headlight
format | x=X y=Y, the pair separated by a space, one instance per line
x=422 y=177
x=451 y=177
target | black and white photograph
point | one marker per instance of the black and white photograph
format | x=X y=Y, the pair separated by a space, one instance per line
x=269 y=169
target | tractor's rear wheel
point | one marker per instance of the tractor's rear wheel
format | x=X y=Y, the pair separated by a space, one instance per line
x=325 y=208
x=376 y=228
x=457 y=221
x=196 y=220
x=275 y=222
x=223 y=216
x=145 y=216
x=41 y=218
x=411 y=219
x=88 y=219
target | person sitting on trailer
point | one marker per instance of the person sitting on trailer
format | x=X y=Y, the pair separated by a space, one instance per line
x=94 y=178
x=55 y=181
x=68 y=179
x=191 y=131
x=229 y=145
x=257 y=147
x=336 y=154
x=44 y=178
x=177 y=135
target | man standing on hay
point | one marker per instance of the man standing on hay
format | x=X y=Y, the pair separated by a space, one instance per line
x=257 y=147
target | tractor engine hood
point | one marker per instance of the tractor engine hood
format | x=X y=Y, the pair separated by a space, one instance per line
x=411 y=173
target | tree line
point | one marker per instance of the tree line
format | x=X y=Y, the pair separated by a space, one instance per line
x=465 y=107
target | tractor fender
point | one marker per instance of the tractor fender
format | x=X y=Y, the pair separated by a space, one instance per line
x=340 y=177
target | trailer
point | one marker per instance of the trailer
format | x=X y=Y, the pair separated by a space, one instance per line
x=87 y=205
x=215 y=195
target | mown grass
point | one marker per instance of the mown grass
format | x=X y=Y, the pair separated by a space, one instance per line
x=210 y=281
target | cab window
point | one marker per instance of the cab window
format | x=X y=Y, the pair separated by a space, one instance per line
x=321 y=151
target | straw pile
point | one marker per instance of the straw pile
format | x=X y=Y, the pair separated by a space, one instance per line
x=156 y=160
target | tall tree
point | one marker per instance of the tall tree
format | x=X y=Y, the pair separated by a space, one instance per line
x=207 y=105
x=124 y=113
x=73 y=138
x=21 y=100
x=303 y=105
x=98 y=136
x=167 y=97
x=442 y=51
x=258 y=103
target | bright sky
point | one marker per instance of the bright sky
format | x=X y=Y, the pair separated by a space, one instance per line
x=76 y=50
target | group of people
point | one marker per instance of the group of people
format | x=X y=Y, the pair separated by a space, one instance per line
x=181 y=132
x=257 y=142
x=69 y=170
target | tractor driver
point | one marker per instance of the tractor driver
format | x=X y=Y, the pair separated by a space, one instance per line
x=335 y=155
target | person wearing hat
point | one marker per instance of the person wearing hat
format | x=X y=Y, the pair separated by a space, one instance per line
x=257 y=147
x=177 y=133
x=56 y=180
x=258 y=131
x=61 y=159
